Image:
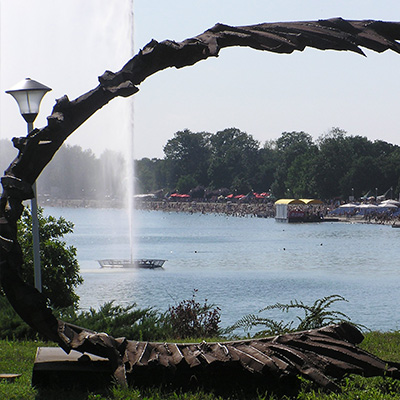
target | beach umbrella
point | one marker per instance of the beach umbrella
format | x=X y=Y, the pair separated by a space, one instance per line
x=366 y=208
x=387 y=205
x=394 y=202
x=344 y=208
x=348 y=205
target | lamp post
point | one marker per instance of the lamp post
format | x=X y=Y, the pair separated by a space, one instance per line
x=29 y=94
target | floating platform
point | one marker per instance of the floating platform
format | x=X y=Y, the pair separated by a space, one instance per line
x=148 y=263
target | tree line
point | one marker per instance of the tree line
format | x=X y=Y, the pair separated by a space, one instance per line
x=336 y=165
x=75 y=173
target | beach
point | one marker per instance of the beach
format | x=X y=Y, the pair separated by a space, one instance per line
x=230 y=208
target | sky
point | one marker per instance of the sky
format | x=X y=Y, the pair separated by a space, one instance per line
x=66 y=45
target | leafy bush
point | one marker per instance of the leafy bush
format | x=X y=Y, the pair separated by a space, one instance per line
x=315 y=316
x=60 y=270
x=130 y=322
x=190 y=319
x=118 y=321
x=12 y=327
x=59 y=265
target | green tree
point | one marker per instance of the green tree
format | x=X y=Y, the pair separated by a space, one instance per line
x=109 y=177
x=334 y=161
x=266 y=168
x=74 y=174
x=346 y=162
x=60 y=269
x=364 y=174
x=278 y=187
x=152 y=175
x=188 y=154
x=292 y=146
x=300 y=180
x=363 y=169
x=234 y=159
x=145 y=175
x=388 y=156
x=185 y=184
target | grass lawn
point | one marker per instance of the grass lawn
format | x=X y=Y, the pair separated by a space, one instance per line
x=18 y=357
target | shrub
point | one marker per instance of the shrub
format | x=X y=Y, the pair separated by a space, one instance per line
x=59 y=265
x=118 y=321
x=12 y=327
x=190 y=319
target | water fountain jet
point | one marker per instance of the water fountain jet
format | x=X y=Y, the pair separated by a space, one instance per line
x=132 y=261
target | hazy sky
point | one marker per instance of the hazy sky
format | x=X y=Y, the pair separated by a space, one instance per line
x=67 y=44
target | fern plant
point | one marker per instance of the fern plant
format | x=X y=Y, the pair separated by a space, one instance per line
x=315 y=316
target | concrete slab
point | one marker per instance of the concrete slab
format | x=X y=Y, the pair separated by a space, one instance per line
x=55 y=368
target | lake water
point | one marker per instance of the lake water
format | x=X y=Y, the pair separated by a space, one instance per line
x=239 y=264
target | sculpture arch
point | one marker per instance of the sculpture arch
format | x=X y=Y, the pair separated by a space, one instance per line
x=317 y=354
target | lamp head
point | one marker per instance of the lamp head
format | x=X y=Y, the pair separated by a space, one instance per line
x=28 y=94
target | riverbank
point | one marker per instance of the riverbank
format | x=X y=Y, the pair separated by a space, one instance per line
x=228 y=208
x=262 y=210
x=239 y=209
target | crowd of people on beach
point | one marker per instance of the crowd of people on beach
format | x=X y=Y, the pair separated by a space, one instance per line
x=385 y=217
x=227 y=208
x=262 y=210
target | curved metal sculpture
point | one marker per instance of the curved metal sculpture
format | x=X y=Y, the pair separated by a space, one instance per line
x=316 y=354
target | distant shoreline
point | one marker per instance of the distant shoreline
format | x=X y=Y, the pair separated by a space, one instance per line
x=81 y=203
x=265 y=210
x=261 y=210
x=227 y=208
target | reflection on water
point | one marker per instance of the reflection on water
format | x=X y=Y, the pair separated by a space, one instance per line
x=240 y=264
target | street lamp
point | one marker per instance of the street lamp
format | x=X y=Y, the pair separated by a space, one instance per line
x=29 y=94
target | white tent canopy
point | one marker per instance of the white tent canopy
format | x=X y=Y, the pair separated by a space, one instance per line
x=393 y=202
x=348 y=205
x=387 y=205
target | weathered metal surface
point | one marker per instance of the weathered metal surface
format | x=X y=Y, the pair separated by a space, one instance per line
x=321 y=355
x=39 y=146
